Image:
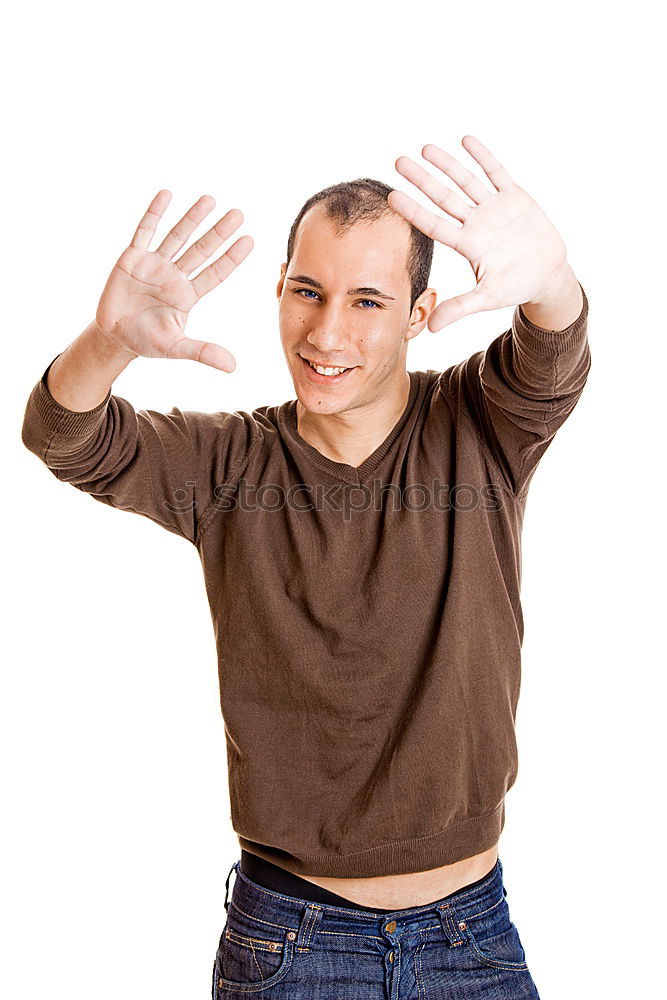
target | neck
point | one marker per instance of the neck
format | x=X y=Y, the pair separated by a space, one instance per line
x=352 y=435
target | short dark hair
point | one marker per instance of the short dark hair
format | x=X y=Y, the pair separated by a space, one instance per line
x=365 y=199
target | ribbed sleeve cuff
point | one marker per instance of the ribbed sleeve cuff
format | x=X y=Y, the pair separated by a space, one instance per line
x=60 y=420
x=550 y=341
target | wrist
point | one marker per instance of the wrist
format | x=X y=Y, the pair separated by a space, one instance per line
x=82 y=376
x=559 y=304
x=109 y=350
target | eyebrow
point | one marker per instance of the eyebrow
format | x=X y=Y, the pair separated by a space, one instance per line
x=351 y=291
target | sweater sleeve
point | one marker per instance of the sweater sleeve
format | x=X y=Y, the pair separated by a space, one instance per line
x=170 y=467
x=520 y=390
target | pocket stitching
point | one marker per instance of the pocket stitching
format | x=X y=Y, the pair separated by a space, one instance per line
x=496 y=963
x=229 y=984
x=251 y=942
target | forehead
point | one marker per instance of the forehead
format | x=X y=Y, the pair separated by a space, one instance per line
x=365 y=254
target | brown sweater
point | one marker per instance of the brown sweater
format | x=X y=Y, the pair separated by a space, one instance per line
x=368 y=642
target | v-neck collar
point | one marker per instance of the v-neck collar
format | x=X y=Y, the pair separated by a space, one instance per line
x=341 y=470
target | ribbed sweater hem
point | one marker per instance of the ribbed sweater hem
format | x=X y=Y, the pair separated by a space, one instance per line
x=542 y=341
x=61 y=420
x=454 y=843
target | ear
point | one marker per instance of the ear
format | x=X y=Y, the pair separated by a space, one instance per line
x=421 y=311
x=281 y=280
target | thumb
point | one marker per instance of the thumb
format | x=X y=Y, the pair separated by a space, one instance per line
x=453 y=309
x=203 y=351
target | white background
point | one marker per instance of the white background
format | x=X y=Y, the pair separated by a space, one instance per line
x=117 y=838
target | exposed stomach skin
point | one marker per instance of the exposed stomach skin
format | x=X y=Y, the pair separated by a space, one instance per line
x=398 y=892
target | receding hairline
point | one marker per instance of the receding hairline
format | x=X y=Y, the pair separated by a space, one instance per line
x=364 y=199
x=344 y=225
x=375 y=213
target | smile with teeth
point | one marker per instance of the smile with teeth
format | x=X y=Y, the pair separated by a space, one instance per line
x=321 y=370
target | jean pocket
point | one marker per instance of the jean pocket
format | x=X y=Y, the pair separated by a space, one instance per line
x=495 y=940
x=250 y=960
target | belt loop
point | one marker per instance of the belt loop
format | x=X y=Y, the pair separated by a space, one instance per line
x=450 y=925
x=227 y=884
x=310 y=919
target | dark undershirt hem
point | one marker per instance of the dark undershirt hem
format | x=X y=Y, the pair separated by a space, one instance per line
x=278 y=879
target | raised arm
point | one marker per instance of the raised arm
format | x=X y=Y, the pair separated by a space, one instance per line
x=521 y=389
x=167 y=466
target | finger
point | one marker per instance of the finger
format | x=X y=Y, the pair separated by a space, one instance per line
x=461 y=305
x=492 y=167
x=214 y=355
x=221 y=268
x=146 y=228
x=177 y=236
x=210 y=241
x=465 y=179
x=440 y=195
x=427 y=222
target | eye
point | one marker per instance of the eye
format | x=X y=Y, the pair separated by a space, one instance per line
x=298 y=291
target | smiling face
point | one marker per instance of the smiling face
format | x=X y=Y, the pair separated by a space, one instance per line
x=345 y=302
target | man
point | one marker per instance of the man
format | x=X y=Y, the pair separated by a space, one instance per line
x=361 y=550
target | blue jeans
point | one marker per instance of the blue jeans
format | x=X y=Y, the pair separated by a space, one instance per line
x=461 y=947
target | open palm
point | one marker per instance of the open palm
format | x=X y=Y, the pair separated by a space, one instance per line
x=511 y=245
x=147 y=298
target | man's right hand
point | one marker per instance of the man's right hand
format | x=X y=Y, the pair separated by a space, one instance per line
x=145 y=303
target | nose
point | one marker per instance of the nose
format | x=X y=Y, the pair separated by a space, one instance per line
x=329 y=335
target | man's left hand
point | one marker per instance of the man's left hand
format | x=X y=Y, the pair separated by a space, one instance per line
x=516 y=253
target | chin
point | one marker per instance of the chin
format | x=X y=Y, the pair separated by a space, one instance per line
x=322 y=398
x=319 y=402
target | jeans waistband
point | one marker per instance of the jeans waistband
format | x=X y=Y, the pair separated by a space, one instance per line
x=451 y=911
